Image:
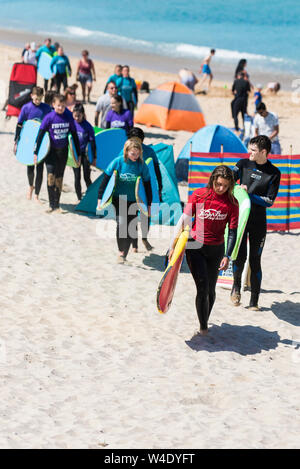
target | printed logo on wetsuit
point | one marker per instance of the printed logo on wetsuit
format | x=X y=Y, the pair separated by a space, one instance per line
x=128 y=177
x=211 y=214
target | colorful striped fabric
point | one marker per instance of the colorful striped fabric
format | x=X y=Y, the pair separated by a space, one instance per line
x=284 y=215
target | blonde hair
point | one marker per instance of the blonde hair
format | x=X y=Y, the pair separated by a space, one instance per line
x=129 y=145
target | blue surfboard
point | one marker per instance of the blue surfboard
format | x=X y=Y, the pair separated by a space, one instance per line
x=73 y=159
x=25 y=148
x=141 y=197
x=44 y=65
x=109 y=143
x=154 y=187
x=108 y=193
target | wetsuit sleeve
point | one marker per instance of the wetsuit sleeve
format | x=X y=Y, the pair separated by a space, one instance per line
x=94 y=149
x=237 y=171
x=148 y=191
x=232 y=233
x=39 y=140
x=103 y=185
x=269 y=198
x=52 y=63
x=18 y=131
x=158 y=176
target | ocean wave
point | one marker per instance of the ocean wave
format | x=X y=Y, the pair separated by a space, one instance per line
x=175 y=50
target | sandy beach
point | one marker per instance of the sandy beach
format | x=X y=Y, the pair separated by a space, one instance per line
x=86 y=361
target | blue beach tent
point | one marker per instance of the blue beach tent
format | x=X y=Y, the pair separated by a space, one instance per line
x=170 y=208
x=209 y=139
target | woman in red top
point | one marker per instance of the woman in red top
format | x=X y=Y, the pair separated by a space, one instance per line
x=207 y=213
x=86 y=74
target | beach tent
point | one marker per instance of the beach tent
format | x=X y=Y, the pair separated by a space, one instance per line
x=171 y=106
x=22 y=80
x=170 y=210
x=209 y=139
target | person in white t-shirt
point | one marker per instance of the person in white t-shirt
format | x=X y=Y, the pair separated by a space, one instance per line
x=29 y=55
x=104 y=104
x=266 y=123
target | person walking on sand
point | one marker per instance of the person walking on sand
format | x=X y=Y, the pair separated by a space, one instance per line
x=261 y=179
x=86 y=74
x=117 y=117
x=148 y=152
x=266 y=123
x=128 y=89
x=49 y=49
x=86 y=136
x=104 y=104
x=205 y=70
x=37 y=110
x=129 y=166
x=240 y=90
x=59 y=123
x=61 y=65
x=30 y=55
x=207 y=213
x=116 y=77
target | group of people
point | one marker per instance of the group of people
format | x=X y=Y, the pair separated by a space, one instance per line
x=208 y=210
x=60 y=66
x=264 y=122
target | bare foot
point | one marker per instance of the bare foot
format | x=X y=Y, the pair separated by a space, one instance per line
x=36 y=199
x=203 y=332
x=29 y=193
x=135 y=250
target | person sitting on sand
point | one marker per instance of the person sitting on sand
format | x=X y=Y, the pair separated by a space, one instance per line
x=273 y=87
x=206 y=70
x=37 y=110
x=117 y=117
x=129 y=166
x=61 y=68
x=59 y=123
x=86 y=135
x=207 y=213
x=86 y=74
x=188 y=78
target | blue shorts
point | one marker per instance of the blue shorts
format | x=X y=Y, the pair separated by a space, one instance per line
x=84 y=78
x=206 y=69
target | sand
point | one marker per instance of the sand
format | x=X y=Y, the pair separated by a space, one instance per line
x=86 y=361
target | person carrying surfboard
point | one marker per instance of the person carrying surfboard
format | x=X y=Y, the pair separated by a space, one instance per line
x=37 y=110
x=59 y=123
x=261 y=179
x=48 y=48
x=129 y=167
x=207 y=213
x=86 y=135
x=148 y=152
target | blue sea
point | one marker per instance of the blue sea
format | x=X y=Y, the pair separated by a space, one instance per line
x=266 y=33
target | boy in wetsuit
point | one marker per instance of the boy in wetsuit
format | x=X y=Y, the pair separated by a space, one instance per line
x=37 y=110
x=59 y=123
x=261 y=179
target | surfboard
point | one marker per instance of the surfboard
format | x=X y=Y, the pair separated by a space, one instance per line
x=109 y=143
x=225 y=278
x=25 y=148
x=154 y=186
x=141 y=197
x=108 y=193
x=44 y=65
x=72 y=154
x=167 y=285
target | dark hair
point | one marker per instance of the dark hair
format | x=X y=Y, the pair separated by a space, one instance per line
x=38 y=91
x=212 y=51
x=262 y=142
x=240 y=67
x=79 y=108
x=119 y=100
x=136 y=132
x=261 y=107
x=49 y=95
x=59 y=97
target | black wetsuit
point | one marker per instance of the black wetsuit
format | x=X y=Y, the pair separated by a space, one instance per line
x=262 y=182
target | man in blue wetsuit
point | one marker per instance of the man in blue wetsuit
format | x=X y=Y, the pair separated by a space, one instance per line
x=261 y=179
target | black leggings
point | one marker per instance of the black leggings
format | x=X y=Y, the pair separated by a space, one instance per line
x=204 y=263
x=85 y=164
x=61 y=79
x=39 y=177
x=238 y=105
x=257 y=235
x=126 y=216
x=56 y=163
x=145 y=225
